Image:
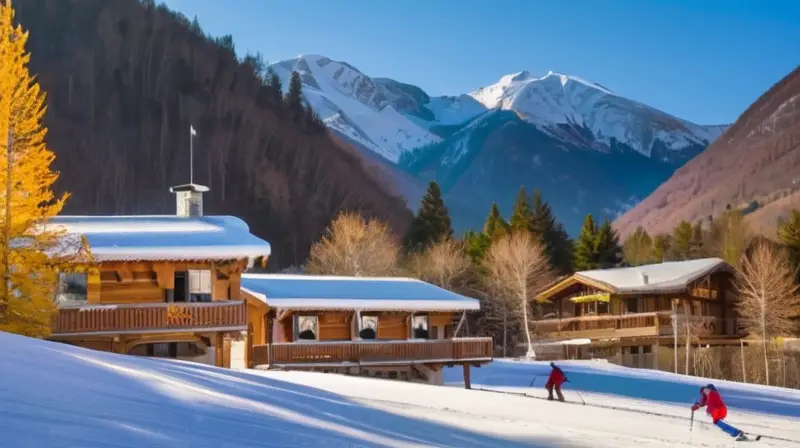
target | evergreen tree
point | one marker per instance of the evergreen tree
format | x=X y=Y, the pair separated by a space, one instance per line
x=638 y=248
x=226 y=42
x=585 y=246
x=698 y=249
x=294 y=96
x=607 y=248
x=661 y=247
x=551 y=234
x=495 y=226
x=682 y=241
x=196 y=26
x=432 y=223
x=476 y=244
x=27 y=200
x=273 y=81
x=522 y=215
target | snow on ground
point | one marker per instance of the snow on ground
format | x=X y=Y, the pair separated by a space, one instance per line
x=56 y=395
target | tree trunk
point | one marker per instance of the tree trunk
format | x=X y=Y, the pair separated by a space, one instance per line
x=744 y=369
x=505 y=332
x=7 y=232
x=688 y=334
x=766 y=359
x=675 y=335
x=530 y=353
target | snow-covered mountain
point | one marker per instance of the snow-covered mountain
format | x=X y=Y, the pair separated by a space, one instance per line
x=391 y=118
x=566 y=107
x=586 y=148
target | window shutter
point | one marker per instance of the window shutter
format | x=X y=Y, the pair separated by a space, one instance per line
x=200 y=282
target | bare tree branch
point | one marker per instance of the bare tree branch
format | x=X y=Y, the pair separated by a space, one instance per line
x=357 y=247
x=767 y=294
x=516 y=268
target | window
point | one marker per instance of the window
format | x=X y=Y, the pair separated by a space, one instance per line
x=632 y=305
x=602 y=307
x=369 y=327
x=307 y=327
x=199 y=285
x=420 y=326
x=71 y=289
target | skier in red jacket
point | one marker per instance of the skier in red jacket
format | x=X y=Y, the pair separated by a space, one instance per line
x=554 y=381
x=716 y=408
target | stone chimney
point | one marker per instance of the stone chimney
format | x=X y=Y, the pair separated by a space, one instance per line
x=189 y=200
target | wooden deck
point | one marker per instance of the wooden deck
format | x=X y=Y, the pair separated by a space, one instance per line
x=374 y=353
x=629 y=325
x=150 y=318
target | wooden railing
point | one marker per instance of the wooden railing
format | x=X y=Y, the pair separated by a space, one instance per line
x=150 y=317
x=639 y=324
x=644 y=324
x=373 y=352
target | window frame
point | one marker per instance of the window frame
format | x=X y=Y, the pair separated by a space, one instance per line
x=362 y=327
x=414 y=326
x=297 y=331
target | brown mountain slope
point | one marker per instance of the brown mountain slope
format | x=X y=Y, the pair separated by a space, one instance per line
x=125 y=79
x=755 y=163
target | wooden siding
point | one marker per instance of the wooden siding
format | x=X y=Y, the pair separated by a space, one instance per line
x=150 y=317
x=256 y=324
x=393 y=326
x=376 y=352
x=147 y=282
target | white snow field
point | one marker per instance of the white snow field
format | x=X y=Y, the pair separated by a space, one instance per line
x=56 y=395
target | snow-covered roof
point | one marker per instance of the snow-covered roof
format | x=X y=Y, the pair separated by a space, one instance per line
x=667 y=277
x=132 y=238
x=352 y=293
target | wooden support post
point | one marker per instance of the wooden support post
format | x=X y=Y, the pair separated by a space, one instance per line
x=467 y=382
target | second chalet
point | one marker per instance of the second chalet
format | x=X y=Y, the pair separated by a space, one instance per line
x=634 y=310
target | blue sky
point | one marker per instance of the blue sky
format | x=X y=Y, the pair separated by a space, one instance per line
x=701 y=60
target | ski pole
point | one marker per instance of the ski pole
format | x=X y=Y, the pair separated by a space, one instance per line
x=532 y=381
x=580 y=396
x=691 y=421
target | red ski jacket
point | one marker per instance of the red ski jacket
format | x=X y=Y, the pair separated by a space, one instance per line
x=715 y=406
x=556 y=378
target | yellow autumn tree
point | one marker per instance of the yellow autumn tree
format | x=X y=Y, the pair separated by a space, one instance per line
x=29 y=249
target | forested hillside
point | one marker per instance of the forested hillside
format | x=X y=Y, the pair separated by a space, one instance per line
x=125 y=79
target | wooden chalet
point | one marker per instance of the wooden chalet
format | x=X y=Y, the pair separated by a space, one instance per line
x=396 y=327
x=635 y=310
x=165 y=286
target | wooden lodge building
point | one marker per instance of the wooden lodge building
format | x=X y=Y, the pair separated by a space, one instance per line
x=173 y=286
x=399 y=326
x=609 y=313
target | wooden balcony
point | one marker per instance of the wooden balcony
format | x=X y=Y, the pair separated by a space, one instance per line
x=150 y=318
x=631 y=325
x=374 y=353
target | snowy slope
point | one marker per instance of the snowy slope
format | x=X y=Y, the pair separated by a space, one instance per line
x=556 y=101
x=57 y=395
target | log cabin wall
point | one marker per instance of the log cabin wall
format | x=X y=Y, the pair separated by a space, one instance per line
x=256 y=323
x=147 y=282
x=335 y=326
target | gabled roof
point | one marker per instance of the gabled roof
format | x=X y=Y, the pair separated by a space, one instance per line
x=157 y=238
x=663 y=278
x=352 y=293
